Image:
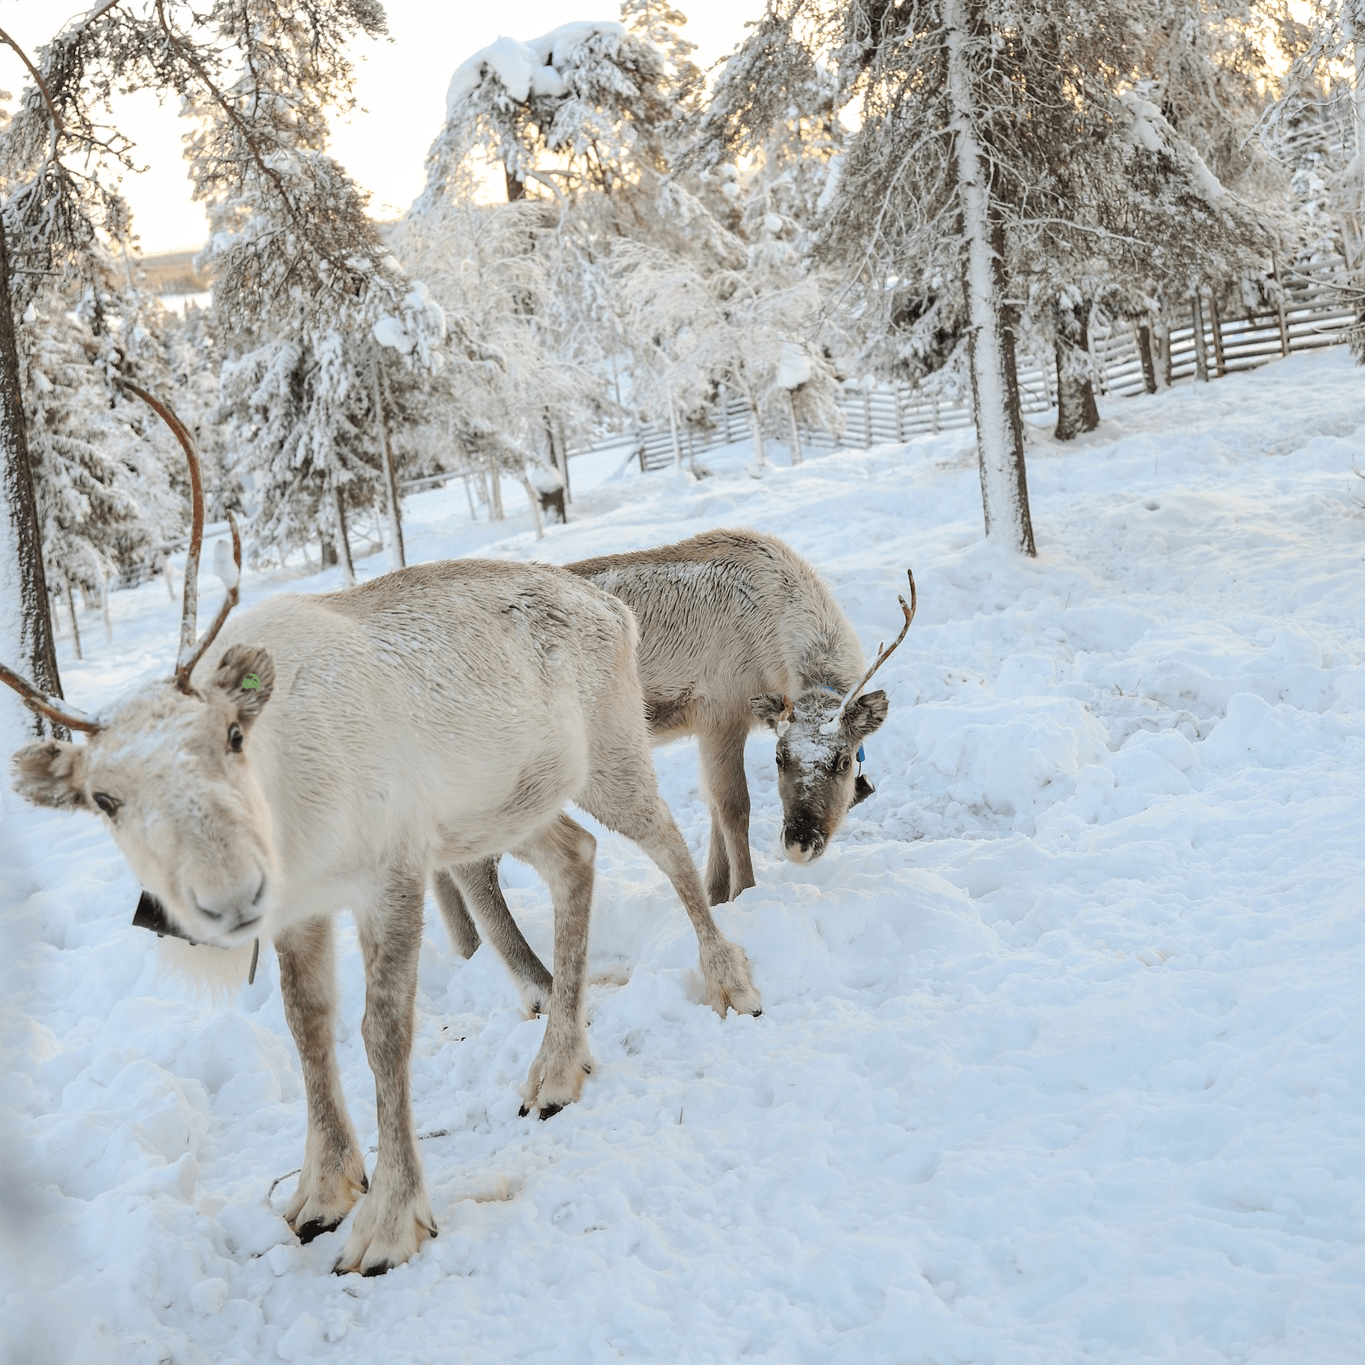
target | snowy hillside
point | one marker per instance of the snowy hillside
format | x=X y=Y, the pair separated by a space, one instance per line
x=1063 y=1048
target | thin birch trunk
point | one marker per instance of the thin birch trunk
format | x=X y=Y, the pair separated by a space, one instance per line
x=343 y=544
x=75 y=625
x=760 y=454
x=397 y=558
x=796 y=431
x=673 y=429
x=534 y=496
x=495 y=491
x=1201 y=358
x=995 y=381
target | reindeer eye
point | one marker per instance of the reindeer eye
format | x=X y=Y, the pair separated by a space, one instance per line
x=845 y=763
x=106 y=803
x=235 y=737
x=781 y=759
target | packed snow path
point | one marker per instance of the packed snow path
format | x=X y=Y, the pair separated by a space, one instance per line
x=1063 y=1053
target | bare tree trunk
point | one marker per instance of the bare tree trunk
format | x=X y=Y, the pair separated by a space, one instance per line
x=75 y=625
x=760 y=453
x=1201 y=359
x=995 y=379
x=26 y=641
x=494 y=491
x=343 y=543
x=796 y=431
x=397 y=557
x=673 y=429
x=1076 y=407
x=559 y=448
x=533 y=495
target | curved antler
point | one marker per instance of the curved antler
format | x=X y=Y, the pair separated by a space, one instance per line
x=190 y=653
x=53 y=708
x=185 y=663
x=883 y=654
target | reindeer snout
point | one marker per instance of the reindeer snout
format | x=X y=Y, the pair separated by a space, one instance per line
x=232 y=912
x=802 y=846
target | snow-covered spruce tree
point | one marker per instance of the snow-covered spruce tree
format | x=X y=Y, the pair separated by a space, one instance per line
x=301 y=279
x=582 y=116
x=991 y=135
x=922 y=188
x=722 y=312
x=511 y=353
x=89 y=463
x=1325 y=85
x=60 y=163
x=1121 y=210
x=25 y=615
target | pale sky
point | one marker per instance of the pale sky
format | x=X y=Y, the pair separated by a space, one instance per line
x=401 y=86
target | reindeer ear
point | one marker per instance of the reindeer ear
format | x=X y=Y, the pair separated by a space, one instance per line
x=246 y=675
x=865 y=715
x=47 y=774
x=772 y=708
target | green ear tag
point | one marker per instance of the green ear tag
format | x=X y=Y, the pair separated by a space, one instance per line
x=251 y=683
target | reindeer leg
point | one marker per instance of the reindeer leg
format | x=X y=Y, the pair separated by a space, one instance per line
x=463 y=935
x=483 y=895
x=729 y=868
x=625 y=797
x=562 y=853
x=333 y=1175
x=395 y=1216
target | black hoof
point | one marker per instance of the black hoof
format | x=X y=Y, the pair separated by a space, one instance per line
x=522 y=1112
x=550 y=1111
x=757 y=1014
x=316 y=1228
x=382 y=1268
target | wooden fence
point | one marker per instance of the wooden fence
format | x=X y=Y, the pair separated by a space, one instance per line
x=1315 y=310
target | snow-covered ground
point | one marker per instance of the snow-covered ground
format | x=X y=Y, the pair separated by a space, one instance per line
x=1063 y=1053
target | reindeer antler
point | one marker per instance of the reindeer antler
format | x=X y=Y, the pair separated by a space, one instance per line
x=52 y=707
x=883 y=654
x=190 y=653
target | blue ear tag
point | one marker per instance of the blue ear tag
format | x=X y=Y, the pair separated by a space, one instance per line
x=861 y=757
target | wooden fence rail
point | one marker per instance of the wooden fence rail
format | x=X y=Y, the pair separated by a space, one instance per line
x=1316 y=310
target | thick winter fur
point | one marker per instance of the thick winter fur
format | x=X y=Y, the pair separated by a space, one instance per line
x=736 y=631
x=436 y=717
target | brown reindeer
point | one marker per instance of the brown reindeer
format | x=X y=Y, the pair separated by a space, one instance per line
x=737 y=631
x=332 y=751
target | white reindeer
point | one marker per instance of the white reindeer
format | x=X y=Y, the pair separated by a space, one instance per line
x=331 y=752
x=736 y=631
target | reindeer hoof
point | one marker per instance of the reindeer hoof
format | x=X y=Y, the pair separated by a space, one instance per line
x=549 y=1111
x=308 y=1231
